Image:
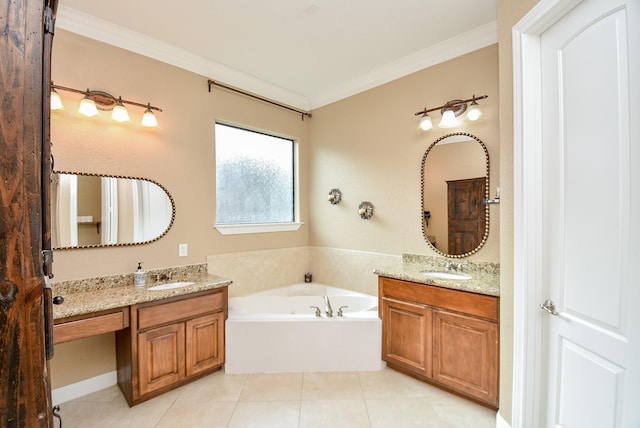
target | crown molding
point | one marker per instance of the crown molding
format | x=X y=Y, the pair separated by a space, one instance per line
x=104 y=31
x=454 y=47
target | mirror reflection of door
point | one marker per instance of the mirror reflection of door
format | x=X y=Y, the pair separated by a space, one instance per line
x=456 y=223
x=466 y=221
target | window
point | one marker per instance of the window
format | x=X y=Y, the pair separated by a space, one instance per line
x=255 y=181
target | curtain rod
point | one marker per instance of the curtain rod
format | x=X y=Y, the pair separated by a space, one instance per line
x=257 y=97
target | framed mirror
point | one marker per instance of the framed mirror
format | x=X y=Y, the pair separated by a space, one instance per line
x=455 y=187
x=92 y=210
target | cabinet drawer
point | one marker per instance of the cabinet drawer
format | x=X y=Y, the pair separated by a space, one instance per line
x=90 y=326
x=182 y=309
x=460 y=301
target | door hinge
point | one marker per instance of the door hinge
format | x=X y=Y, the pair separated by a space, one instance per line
x=49 y=22
x=47 y=257
x=47 y=261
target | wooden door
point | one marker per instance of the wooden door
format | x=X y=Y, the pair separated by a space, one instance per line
x=466 y=216
x=205 y=343
x=406 y=336
x=25 y=399
x=161 y=357
x=465 y=354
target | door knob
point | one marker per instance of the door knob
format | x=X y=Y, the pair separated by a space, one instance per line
x=549 y=306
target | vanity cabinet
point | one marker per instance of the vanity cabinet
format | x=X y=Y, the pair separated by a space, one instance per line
x=406 y=335
x=170 y=343
x=446 y=337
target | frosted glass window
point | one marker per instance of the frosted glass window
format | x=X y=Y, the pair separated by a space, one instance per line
x=254 y=177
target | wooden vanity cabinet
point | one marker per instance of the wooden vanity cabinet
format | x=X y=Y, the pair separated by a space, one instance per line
x=406 y=335
x=446 y=337
x=171 y=343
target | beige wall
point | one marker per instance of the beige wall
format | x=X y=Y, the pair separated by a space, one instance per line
x=509 y=13
x=369 y=146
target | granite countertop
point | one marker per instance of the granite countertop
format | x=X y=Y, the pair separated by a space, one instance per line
x=480 y=282
x=99 y=294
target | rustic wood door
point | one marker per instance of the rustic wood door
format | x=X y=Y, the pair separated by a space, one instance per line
x=466 y=217
x=25 y=399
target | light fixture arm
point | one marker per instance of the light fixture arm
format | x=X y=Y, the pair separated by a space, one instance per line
x=111 y=100
x=449 y=105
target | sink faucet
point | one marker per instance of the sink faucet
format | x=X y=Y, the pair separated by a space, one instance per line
x=163 y=276
x=455 y=267
x=327 y=307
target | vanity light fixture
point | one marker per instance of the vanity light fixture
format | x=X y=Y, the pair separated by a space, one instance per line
x=119 y=112
x=335 y=196
x=450 y=113
x=365 y=210
x=94 y=101
x=56 y=101
x=149 y=119
x=88 y=107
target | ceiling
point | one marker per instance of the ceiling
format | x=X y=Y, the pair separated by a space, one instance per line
x=305 y=53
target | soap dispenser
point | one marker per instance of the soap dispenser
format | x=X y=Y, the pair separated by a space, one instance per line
x=139 y=276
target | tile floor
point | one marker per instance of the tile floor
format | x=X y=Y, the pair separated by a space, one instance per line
x=302 y=400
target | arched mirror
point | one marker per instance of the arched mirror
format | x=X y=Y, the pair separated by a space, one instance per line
x=455 y=187
x=91 y=210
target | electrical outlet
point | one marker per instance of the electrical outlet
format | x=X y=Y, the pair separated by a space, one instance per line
x=183 y=250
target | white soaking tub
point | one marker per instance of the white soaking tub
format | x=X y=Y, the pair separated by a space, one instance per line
x=276 y=331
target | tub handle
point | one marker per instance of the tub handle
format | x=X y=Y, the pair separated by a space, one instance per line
x=340 y=310
x=318 y=313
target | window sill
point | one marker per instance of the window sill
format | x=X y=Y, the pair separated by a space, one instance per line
x=240 y=229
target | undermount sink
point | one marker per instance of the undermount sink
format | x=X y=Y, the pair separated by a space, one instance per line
x=170 y=285
x=446 y=275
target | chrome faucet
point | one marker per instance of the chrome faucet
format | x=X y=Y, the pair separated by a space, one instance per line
x=451 y=266
x=163 y=276
x=327 y=307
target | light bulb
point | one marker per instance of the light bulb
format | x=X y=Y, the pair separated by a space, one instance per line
x=56 y=101
x=425 y=122
x=88 y=107
x=149 y=119
x=449 y=120
x=120 y=113
x=474 y=112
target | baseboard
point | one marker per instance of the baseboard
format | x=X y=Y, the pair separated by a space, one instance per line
x=500 y=422
x=84 y=387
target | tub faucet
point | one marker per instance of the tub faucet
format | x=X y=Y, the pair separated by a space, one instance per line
x=327 y=307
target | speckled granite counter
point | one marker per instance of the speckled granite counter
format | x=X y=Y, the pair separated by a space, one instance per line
x=98 y=294
x=485 y=277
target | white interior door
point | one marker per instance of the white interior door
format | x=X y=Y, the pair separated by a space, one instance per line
x=591 y=217
x=585 y=219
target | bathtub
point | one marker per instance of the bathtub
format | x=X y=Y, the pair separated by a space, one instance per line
x=276 y=331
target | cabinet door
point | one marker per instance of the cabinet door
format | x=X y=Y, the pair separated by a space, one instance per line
x=406 y=335
x=465 y=354
x=160 y=357
x=205 y=343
